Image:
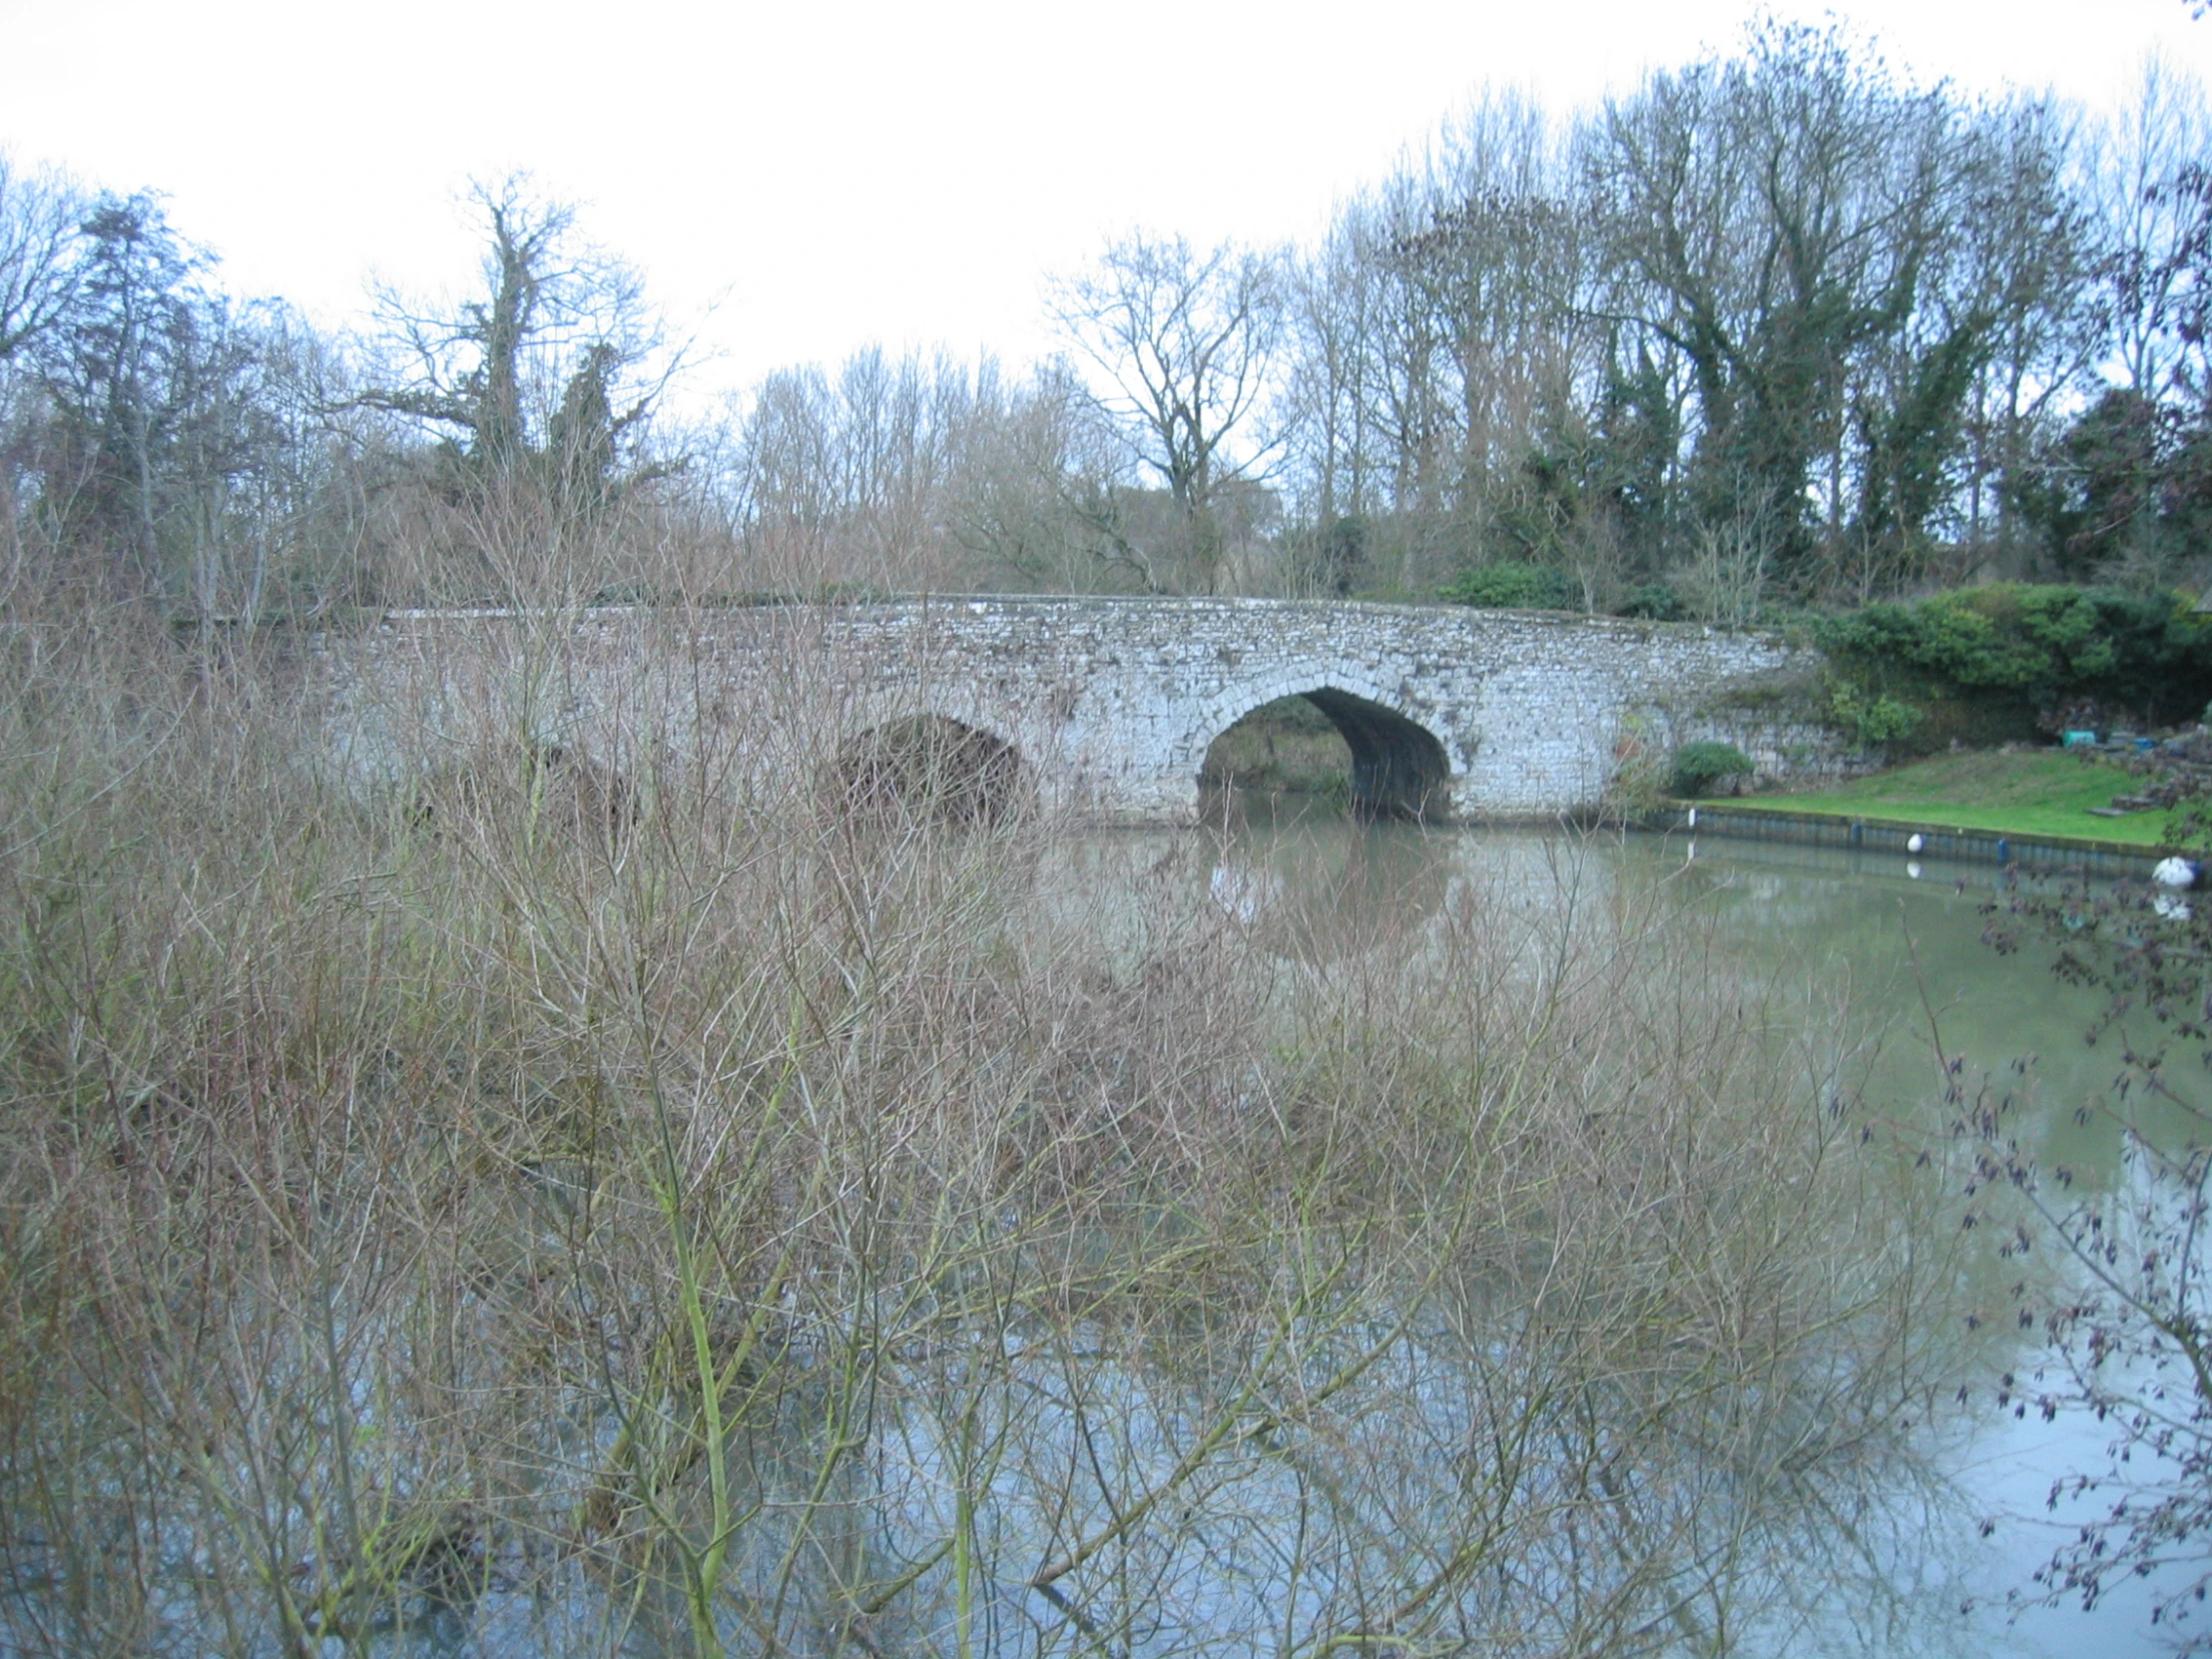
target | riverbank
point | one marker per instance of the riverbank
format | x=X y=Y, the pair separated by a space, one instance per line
x=1910 y=838
x=2046 y=796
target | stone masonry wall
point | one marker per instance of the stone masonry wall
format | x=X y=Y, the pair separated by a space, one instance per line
x=1111 y=703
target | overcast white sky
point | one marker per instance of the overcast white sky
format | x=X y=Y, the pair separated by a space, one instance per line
x=835 y=174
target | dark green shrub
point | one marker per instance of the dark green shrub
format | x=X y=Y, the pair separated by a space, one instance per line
x=1873 y=720
x=1699 y=766
x=1516 y=587
x=2011 y=652
x=1655 y=602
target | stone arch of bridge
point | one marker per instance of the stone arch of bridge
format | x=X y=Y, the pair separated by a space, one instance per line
x=1399 y=767
x=847 y=712
x=922 y=765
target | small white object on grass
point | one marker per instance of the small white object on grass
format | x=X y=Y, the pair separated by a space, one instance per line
x=2175 y=871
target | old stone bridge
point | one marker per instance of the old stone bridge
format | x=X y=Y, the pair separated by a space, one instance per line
x=1106 y=706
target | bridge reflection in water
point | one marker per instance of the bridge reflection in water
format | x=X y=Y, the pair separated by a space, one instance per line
x=1311 y=885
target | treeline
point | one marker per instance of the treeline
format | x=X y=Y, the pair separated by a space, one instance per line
x=164 y=442
x=1777 y=327
x=1776 y=324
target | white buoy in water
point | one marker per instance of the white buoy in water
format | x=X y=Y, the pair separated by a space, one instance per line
x=1693 y=818
x=1912 y=867
x=2175 y=871
x=2168 y=905
x=1916 y=842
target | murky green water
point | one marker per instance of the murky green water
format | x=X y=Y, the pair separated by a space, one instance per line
x=1890 y=955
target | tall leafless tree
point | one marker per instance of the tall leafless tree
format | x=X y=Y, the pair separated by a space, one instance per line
x=1186 y=340
x=40 y=214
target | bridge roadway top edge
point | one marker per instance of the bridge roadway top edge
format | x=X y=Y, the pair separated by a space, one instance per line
x=1005 y=604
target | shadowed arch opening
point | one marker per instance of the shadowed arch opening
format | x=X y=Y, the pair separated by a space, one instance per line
x=1389 y=766
x=929 y=768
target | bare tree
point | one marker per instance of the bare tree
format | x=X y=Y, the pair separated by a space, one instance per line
x=2151 y=203
x=1031 y=458
x=1442 y=341
x=1331 y=316
x=39 y=219
x=1186 y=339
x=2031 y=233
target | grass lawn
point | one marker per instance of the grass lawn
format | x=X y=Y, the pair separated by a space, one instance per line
x=2041 y=792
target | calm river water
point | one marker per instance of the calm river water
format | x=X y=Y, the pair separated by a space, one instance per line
x=1903 y=944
